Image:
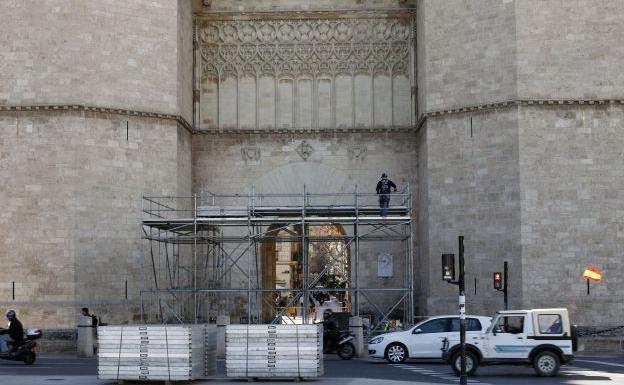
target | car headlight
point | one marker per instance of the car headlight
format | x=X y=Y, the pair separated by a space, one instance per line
x=376 y=340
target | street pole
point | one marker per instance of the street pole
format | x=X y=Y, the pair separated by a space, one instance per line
x=463 y=378
x=505 y=276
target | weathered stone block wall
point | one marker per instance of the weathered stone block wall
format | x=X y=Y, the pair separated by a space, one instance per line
x=466 y=53
x=184 y=54
x=470 y=186
x=562 y=214
x=570 y=49
x=36 y=224
x=71 y=191
x=422 y=262
x=571 y=173
x=120 y=54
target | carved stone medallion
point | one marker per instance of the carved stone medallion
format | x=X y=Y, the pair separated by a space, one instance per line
x=357 y=152
x=304 y=150
x=251 y=155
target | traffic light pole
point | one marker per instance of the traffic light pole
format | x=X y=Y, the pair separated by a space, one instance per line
x=505 y=279
x=448 y=275
x=463 y=378
x=502 y=286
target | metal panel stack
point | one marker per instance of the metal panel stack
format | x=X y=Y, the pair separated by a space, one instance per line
x=210 y=347
x=151 y=352
x=268 y=351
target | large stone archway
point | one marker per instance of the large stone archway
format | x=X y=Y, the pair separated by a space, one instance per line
x=327 y=262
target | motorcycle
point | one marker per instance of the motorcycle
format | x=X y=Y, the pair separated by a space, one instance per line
x=23 y=350
x=342 y=345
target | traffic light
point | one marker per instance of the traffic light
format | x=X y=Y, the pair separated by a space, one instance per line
x=448 y=267
x=498 y=280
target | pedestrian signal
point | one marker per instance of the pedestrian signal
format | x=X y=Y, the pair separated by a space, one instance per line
x=448 y=267
x=498 y=280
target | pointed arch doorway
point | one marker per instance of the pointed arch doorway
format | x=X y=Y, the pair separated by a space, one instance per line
x=324 y=266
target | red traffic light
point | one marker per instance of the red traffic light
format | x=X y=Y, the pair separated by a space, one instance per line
x=498 y=280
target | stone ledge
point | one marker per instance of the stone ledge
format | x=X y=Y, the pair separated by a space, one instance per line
x=280 y=131
x=58 y=341
x=521 y=102
x=104 y=110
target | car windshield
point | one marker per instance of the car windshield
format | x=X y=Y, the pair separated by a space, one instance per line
x=494 y=321
x=419 y=324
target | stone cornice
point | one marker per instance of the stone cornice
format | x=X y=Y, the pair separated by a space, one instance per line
x=421 y=119
x=104 y=110
x=514 y=103
x=282 y=131
x=522 y=102
x=325 y=14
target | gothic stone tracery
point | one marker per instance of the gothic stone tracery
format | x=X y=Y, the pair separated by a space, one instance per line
x=308 y=73
x=305 y=47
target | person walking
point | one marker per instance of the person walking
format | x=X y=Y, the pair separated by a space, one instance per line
x=384 y=187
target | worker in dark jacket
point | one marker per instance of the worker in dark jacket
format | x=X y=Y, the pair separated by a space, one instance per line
x=85 y=313
x=14 y=333
x=384 y=187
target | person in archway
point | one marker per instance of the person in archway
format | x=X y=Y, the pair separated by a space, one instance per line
x=384 y=188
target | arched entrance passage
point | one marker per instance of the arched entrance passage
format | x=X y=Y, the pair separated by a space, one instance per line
x=326 y=262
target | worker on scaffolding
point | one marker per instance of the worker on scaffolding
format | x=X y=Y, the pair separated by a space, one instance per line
x=384 y=187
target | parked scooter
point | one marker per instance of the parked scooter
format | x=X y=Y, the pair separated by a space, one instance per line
x=342 y=345
x=23 y=350
x=336 y=340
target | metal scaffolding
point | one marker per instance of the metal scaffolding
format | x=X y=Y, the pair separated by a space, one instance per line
x=215 y=254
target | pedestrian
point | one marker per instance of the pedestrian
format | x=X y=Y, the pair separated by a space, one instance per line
x=94 y=320
x=15 y=332
x=384 y=187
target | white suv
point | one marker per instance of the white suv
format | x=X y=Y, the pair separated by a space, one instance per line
x=424 y=340
x=543 y=338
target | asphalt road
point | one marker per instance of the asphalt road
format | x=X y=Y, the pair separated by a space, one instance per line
x=587 y=370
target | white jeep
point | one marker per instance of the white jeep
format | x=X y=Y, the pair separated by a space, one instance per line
x=543 y=338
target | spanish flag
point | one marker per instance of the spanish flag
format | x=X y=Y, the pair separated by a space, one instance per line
x=593 y=274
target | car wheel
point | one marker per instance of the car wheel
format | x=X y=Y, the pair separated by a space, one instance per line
x=472 y=362
x=546 y=364
x=396 y=353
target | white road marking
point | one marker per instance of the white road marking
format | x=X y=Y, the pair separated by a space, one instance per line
x=600 y=362
x=436 y=375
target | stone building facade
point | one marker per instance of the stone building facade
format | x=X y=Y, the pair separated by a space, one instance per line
x=504 y=116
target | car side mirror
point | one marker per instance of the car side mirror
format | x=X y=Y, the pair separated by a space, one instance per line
x=417 y=331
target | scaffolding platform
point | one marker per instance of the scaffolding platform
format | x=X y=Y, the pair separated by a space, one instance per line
x=196 y=242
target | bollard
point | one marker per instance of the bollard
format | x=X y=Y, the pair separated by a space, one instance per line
x=222 y=322
x=356 y=326
x=86 y=337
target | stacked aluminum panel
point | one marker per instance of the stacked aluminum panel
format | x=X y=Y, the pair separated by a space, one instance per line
x=151 y=352
x=210 y=347
x=268 y=351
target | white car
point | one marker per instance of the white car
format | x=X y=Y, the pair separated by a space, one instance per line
x=425 y=339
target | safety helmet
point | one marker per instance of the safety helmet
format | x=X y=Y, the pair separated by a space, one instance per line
x=10 y=313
